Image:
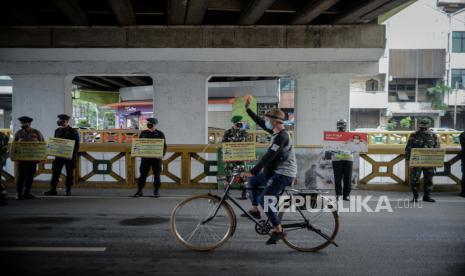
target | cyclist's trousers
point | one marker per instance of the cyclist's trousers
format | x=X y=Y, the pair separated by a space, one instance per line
x=272 y=187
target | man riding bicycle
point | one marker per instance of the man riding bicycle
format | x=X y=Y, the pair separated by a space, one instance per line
x=275 y=170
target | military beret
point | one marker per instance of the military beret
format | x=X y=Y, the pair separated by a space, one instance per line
x=152 y=121
x=25 y=119
x=63 y=117
x=236 y=119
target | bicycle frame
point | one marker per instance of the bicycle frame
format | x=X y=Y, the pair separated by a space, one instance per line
x=304 y=224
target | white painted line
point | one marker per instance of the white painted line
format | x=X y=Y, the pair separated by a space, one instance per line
x=115 y=197
x=53 y=249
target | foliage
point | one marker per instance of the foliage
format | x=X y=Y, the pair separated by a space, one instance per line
x=406 y=122
x=391 y=125
x=436 y=94
x=83 y=123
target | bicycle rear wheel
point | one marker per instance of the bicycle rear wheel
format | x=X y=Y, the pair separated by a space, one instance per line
x=189 y=225
x=310 y=228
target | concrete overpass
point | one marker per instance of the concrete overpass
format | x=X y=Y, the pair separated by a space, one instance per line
x=181 y=44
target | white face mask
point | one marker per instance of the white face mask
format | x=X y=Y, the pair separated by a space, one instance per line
x=268 y=124
x=356 y=141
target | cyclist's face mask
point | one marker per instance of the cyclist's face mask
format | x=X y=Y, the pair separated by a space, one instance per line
x=238 y=125
x=268 y=124
x=25 y=125
x=423 y=129
x=60 y=122
x=150 y=126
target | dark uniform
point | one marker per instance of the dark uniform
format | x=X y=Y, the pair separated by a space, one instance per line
x=150 y=163
x=342 y=162
x=68 y=133
x=26 y=169
x=3 y=157
x=421 y=139
x=235 y=134
x=462 y=143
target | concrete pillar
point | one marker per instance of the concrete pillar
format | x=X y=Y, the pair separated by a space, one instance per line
x=321 y=99
x=180 y=104
x=41 y=97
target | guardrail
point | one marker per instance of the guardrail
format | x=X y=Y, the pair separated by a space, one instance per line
x=261 y=137
x=181 y=159
x=450 y=138
x=386 y=168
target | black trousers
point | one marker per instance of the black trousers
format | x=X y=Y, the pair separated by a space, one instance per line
x=342 y=173
x=2 y=188
x=463 y=175
x=26 y=171
x=57 y=166
x=145 y=166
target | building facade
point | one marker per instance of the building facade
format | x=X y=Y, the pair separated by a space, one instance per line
x=420 y=54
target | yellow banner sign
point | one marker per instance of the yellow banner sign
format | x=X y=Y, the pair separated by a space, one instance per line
x=427 y=157
x=240 y=151
x=28 y=151
x=144 y=147
x=60 y=147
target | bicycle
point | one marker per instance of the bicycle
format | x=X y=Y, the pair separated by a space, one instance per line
x=205 y=222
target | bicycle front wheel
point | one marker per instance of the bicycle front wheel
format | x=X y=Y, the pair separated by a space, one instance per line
x=312 y=227
x=201 y=223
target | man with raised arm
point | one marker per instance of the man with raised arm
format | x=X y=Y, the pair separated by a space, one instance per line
x=274 y=171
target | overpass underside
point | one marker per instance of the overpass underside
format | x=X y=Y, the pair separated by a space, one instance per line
x=43 y=61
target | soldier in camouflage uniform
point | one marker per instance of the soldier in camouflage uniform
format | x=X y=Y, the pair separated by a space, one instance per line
x=3 y=157
x=422 y=138
x=235 y=134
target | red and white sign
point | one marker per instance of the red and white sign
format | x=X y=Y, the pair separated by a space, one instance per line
x=347 y=141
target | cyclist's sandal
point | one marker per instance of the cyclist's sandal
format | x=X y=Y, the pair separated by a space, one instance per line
x=275 y=237
x=253 y=214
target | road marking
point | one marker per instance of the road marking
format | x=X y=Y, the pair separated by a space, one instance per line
x=53 y=249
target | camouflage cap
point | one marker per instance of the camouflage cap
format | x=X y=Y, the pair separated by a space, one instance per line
x=424 y=123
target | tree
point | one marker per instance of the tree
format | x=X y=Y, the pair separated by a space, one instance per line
x=406 y=122
x=436 y=94
x=391 y=125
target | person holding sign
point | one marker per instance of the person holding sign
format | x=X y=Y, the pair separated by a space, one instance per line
x=151 y=163
x=64 y=131
x=343 y=162
x=26 y=169
x=422 y=138
x=235 y=134
x=275 y=170
x=3 y=157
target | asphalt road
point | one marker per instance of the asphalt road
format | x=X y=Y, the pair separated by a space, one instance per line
x=101 y=232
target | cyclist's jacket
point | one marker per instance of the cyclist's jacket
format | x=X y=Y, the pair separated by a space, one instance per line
x=280 y=156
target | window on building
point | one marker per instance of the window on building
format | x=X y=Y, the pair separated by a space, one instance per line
x=287 y=84
x=457 y=76
x=458 y=42
x=371 y=85
x=423 y=85
x=402 y=90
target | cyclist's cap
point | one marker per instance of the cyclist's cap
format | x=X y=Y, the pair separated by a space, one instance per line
x=276 y=114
